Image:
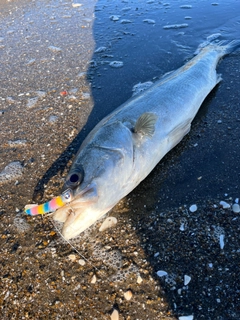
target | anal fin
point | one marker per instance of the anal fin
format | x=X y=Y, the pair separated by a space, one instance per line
x=145 y=124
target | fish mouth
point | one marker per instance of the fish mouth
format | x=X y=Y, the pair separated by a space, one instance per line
x=76 y=218
x=80 y=213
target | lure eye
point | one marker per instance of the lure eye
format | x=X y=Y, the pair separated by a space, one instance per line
x=67 y=195
x=75 y=178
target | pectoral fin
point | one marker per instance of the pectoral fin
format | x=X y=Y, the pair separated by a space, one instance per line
x=145 y=124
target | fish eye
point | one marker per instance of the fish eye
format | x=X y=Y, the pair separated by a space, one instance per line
x=75 y=178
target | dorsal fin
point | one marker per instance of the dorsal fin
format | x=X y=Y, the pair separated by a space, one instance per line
x=145 y=124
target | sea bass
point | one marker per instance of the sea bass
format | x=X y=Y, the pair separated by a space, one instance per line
x=127 y=144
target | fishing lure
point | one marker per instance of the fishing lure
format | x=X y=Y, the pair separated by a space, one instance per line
x=51 y=205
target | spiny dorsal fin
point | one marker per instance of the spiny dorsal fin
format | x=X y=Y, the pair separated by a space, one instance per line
x=145 y=124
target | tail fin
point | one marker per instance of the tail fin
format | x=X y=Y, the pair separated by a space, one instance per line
x=229 y=47
x=224 y=47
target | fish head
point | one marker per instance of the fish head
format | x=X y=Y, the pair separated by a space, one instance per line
x=95 y=181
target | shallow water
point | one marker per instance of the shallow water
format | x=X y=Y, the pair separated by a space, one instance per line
x=56 y=84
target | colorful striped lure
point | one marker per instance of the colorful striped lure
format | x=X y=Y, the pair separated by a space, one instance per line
x=51 y=205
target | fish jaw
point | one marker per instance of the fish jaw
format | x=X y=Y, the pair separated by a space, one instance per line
x=79 y=220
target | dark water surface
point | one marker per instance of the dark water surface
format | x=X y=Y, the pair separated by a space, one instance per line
x=49 y=47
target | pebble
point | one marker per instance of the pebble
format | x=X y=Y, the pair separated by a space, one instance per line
x=236 y=208
x=221 y=241
x=108 y=223
x=128 y=295
x=193 y=208
x=12 y=171
x=175 y=26
x=116 y=64
x=225 y=205
x=187 y=279
x=81 y=262
x=94 y=279
x=139 y=279
x=54 y=49
x=162 y=273
x=115 y=315
x=72 y=257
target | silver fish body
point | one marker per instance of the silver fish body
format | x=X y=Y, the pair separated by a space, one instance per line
x=126 y=145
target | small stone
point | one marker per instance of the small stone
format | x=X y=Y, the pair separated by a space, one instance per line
x=139 y=279
x=108 y=223
x=128 y=295
x=221 y=241
x=115 y=315
x=187 y=279
x=81 y=262
x=182 y=227
x=162 y=273
x=225 y=205
x=236 y=208
x=193 y=208
x=94 y=279
x=72 y=257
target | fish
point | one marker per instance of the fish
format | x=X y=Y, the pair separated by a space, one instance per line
x=126 y=145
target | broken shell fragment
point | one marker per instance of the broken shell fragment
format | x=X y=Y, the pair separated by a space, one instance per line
x=115 y=315
x=187 y=279
x=108 y=223
x=128 y=295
